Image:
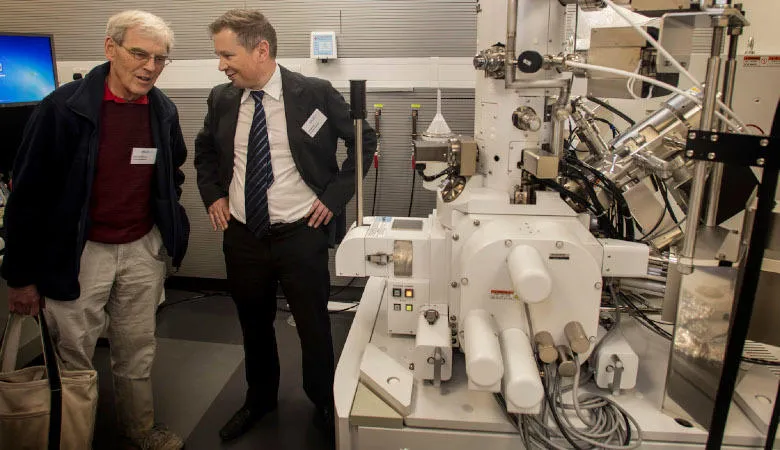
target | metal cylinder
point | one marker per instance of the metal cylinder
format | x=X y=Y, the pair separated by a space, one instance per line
x=484 y=363
x=357 y=99
x=521 y=384
x=578 y=340
x=529 y=274
x=511 y=33
x=700 y=175
x=545 y=347
x=566 y=364
x=716 y=179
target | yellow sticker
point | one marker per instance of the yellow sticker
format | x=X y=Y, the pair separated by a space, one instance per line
x=416 y=105
x=378 y=105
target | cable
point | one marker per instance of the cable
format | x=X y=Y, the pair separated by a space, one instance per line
x=376 y=182
x=411 y=197
x=622 y=13
x=201 y=295
x=614 y=110
x=653 y=81
x=752 y=125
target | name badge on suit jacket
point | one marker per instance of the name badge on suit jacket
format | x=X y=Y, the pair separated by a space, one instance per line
x=314 y=123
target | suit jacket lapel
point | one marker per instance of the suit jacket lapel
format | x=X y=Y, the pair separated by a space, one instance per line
x=229 y=110
x=295 y=110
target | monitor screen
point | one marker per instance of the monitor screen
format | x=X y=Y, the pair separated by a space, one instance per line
x=28 y=71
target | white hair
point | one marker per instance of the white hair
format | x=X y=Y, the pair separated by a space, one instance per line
x=147 y=23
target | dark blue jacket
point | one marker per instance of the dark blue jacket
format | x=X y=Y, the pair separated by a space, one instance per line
x=47 y=216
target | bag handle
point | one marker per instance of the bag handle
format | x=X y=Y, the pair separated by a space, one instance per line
x=9 y=352
x=9 y=349
x=55 y=384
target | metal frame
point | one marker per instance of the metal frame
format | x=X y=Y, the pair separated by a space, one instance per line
x=747 y=283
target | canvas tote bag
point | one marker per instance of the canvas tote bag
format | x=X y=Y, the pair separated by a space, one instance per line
x=43 y=407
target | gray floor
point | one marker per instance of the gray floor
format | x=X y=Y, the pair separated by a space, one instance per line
x=199 y=378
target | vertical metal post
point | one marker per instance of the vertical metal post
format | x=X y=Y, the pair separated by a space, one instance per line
x=716 y=178
x=511 y=34
x=700 y=175
x=357 y=103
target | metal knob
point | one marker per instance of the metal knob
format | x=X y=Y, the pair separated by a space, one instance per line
x=545 y=347
x=578 y=340
x=566 y=365
x=525 y=118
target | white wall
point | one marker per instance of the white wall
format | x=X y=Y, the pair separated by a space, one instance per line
x=764 y=18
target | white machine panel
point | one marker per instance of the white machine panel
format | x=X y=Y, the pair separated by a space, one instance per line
x=405 y=300
x=624 y=259
x=387 y=379
x=617 y=364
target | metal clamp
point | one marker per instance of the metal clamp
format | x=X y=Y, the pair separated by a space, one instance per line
x=730 y=148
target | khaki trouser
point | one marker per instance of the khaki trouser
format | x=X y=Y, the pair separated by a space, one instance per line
x=122 y=283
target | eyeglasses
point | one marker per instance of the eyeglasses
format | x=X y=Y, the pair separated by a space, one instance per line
x=144 y=56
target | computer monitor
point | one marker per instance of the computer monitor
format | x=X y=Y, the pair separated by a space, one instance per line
x=28 y=69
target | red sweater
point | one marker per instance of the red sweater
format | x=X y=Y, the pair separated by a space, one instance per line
x=120 y=207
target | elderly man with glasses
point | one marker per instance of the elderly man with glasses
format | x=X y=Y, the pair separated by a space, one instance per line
x=94 y=214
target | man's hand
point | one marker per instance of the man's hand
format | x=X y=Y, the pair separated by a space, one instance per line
x=219 y=213
x=319 y=214
x=25 y=300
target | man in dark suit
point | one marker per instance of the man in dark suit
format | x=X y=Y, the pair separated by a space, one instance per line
x=267 y=172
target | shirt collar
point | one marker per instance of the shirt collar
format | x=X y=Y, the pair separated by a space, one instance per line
x=109 y=96
x=273 y=88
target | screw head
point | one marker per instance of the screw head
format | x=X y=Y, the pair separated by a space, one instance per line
x=464 y=281
x=411 y=366
x=760 y=161
x=689 y=153
x=711 y=155
x=454 y=284
x=714 y=138
x=559 y=244
x=453 y=317
x=455 y=237
x=764 y=142
x=597 y=285
x=691 y=135
x=508 y=243
x=476 y=222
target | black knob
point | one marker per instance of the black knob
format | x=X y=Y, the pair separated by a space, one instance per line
x=529 y=61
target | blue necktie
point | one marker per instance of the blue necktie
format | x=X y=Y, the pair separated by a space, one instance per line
x=259 y=173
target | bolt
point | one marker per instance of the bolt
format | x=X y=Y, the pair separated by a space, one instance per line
x=760 y=161
x=689 y=153
x=714 y=138
x=508 y=243
x=559 y=244
x=691 y=135
x=764 y=142
x=411 y=366
x=454 y=284
x=711 y=155
x=476 y=222
x=597 y=285
x=464 y=281
x=455 y=237
x=610 y=369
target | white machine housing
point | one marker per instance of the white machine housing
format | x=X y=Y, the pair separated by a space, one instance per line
x=497 y=272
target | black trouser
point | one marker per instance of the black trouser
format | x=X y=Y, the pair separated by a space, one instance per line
x=296 y=256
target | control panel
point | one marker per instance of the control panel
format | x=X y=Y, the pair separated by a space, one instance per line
x=405 y=300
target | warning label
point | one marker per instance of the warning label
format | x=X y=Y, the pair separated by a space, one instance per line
x=502 y=294
x=761 y=61
x=379 y=228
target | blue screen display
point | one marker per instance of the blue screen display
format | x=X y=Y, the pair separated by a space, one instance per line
x=26 y=69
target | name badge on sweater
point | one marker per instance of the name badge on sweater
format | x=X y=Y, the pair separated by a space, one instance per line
x=315 y=122
x=143 y=155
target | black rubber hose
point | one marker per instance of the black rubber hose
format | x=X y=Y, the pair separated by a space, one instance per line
x=614 y=110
